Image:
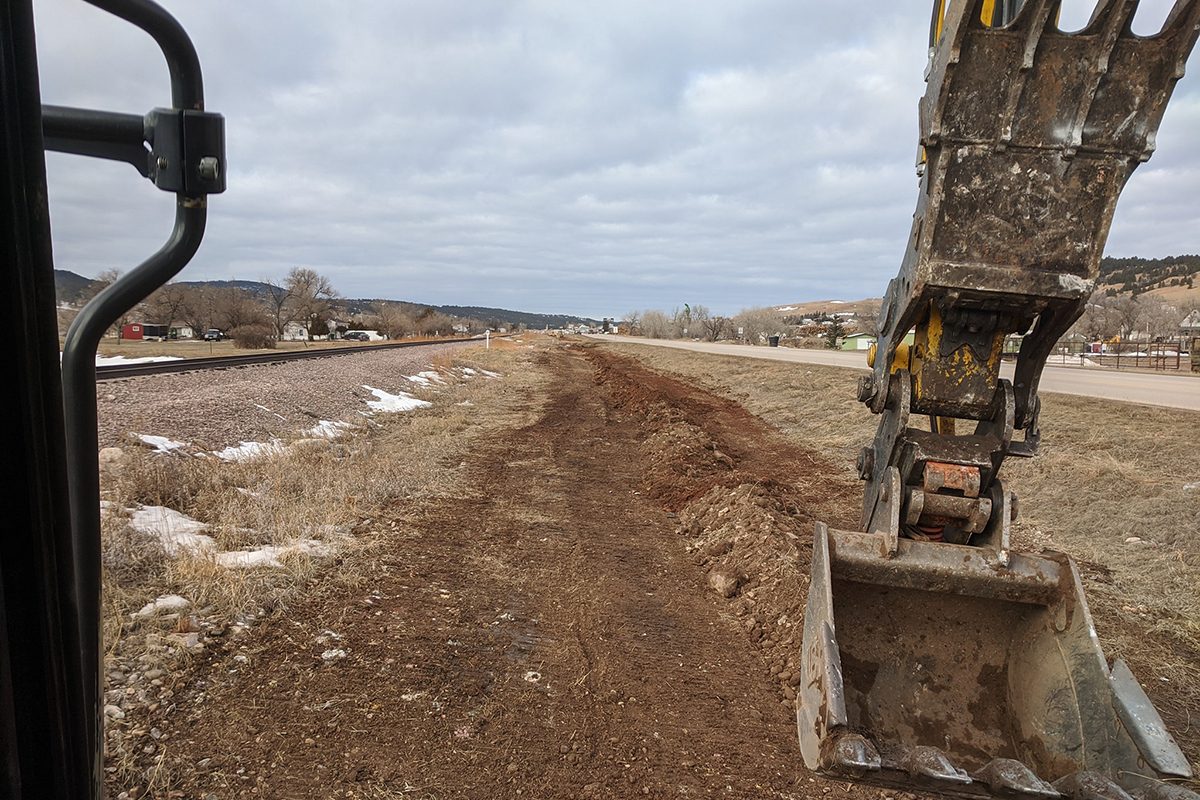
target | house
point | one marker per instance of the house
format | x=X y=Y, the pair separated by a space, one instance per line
x=295 y=332
x=858 y=341
x=1190 y=326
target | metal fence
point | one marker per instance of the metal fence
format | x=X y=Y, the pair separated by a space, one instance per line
x=1163 y=356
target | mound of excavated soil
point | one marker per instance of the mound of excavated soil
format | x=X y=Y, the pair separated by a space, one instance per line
x=746 y=501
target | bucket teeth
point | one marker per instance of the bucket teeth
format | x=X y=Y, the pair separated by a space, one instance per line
x=1011 y=776
x=852 y=754
x=930 y=762
x=1086 y=785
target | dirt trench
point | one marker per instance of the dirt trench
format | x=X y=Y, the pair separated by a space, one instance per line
x=550 y=629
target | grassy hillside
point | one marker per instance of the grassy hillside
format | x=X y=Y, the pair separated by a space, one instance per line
x=1175 y=279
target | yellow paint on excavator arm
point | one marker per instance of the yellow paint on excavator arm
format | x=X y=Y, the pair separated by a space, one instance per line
x=963 y=362
x=900 y=361
x=986 y=14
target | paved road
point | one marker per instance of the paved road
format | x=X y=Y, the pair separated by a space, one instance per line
x=1173 y=391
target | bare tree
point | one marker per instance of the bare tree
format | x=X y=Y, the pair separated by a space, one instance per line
x=1126 y=309
x=698 y=321
x=197 y=309
x=633 y=321
x=656 y=324
x=166 y=306
x=1158 y=319
x=393 y=321
x=757 y=324
x=433 y=323
x=280 y=302
x=681 y=322
x=715 y=328
x=235 y=308
x=1099 y=320
x=311 y=295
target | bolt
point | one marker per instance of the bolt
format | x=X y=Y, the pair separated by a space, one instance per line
x=866 y=388
x=210 y=168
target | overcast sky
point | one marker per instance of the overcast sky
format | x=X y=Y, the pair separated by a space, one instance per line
x=567 y=156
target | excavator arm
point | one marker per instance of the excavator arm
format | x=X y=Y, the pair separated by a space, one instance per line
x=934 y=656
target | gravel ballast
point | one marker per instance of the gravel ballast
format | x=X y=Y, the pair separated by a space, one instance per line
x=211 y=409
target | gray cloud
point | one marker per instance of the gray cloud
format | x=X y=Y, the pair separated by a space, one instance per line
x=546 y=155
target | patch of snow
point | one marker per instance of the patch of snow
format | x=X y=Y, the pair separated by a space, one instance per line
x=269 y=555
x=391 y=403
x=177 y=532
x=248 y=559
x=161 y=444
x=328 y=429
x=108 y=361
x=426 y=378
x=168 y=602
x=248 y=450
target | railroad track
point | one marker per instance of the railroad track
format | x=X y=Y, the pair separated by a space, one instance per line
x=111 y=372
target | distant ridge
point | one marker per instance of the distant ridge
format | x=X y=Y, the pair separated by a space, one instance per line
x=70 y=287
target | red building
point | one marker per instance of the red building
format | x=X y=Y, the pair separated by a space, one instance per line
x=141 y=330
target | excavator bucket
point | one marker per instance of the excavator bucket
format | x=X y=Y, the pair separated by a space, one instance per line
x=941 y=669
x=935 y=658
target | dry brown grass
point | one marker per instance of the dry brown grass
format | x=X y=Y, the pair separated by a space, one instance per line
x=333 y=491
x=355 y=493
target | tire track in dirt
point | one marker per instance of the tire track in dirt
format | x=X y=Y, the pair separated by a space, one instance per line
x=542 y=633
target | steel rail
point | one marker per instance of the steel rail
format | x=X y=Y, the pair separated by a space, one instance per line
x=118 y=371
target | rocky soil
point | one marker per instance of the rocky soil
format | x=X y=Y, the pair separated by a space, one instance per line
x=213 y=409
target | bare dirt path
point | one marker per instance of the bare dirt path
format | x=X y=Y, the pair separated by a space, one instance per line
x=543 y=632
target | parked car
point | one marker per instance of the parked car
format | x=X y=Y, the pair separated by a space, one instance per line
x=357 y=336
x=213 y=335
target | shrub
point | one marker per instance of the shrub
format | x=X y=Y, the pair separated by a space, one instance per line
x=253 y=337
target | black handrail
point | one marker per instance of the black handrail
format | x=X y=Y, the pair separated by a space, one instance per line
x=117 y=133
